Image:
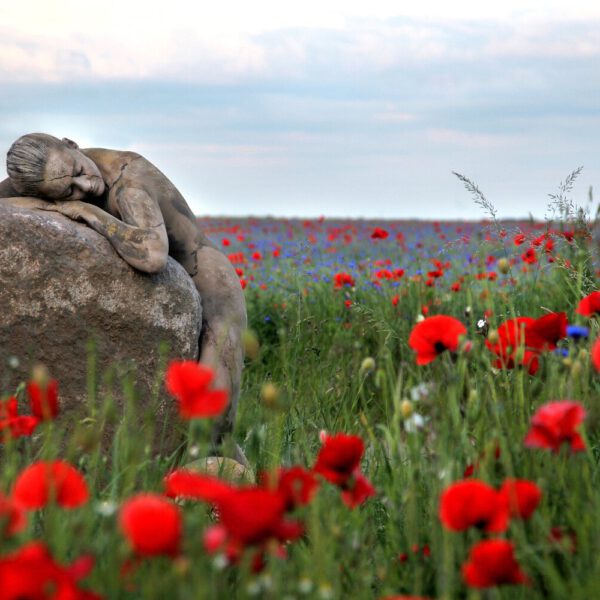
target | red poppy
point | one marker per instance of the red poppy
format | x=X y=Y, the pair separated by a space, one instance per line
x=519 y=239
x=183 y=483
x=13 y=425
x=473 y=503
x=342 y=279
x=339 y=457
x=590 y=305
x=544 y=333
x=492 y=563
x=379 y=234
x=152 y=525
x=596 y=354
x=253 y=515
x=12 y=516
x=556 y=423
x=189 y=382
x=357 y=490
x=433 y=335
x=511 y=336
x=529 y=256
x=521 y=496
x=56 y=481
x=31 y=573
x=295 y=484
x=43 y=399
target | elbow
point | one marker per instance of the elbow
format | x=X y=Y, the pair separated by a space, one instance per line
x=153 y=259
x=154 y=264
x=156 y=261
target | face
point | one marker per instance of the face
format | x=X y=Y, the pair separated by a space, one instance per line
x=70 y=175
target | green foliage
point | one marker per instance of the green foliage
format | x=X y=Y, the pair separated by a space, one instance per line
x=312 y=349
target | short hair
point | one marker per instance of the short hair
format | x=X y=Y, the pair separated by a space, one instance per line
x=26 y=161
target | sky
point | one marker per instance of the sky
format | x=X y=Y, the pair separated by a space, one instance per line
x=330 y=107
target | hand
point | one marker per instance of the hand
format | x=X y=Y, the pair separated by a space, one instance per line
x=74 y=209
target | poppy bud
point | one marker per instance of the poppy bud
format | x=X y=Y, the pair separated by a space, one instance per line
x=406 y=408
x=493 y=336
x=576 y=368
x=40 y=374
x=251 y=344
x=503 y=266
x=269 y=394
x=367 y=365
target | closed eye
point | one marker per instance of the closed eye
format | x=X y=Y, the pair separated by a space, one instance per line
x=69 y=191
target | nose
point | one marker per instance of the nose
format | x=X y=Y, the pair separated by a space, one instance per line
x=84 y=183
x=89 y=184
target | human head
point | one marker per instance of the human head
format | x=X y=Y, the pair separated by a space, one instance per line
x=41 y=165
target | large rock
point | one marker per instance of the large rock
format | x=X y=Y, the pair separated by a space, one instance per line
x=62 y=284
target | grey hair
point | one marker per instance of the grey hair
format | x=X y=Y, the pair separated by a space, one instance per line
x=26 y=161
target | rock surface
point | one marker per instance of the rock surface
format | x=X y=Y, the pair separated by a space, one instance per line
x=62 y=284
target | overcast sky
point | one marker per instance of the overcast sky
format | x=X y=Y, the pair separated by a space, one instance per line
x=340 y=108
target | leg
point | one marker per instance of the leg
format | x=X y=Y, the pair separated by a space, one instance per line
x=224 y=321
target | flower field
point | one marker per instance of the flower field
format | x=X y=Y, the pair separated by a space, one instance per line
x=420 y=407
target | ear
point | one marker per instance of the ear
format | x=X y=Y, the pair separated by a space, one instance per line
x=70 y=143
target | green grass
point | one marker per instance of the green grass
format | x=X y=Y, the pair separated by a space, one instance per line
x=312 y=351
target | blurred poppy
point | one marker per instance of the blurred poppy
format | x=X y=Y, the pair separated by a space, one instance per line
x=379 y=234
x=57 y=481
x=31 y=573
x=13 y=425
x=492 y=563
x=339 y=457
x=473 y=503
x=432 y=336
x=152 y=525
x=556 y=423
x=12 y=516
x=189 y=382
x=521 y=496
x=43 y=398
x=590 y=305
x=185 y=483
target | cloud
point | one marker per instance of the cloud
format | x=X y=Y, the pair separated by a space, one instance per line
x=364 y=115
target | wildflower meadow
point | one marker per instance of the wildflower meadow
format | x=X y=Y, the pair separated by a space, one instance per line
x=420 y=410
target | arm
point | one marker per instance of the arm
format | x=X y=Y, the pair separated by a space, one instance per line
x=7 y=190
x=140 y=239
x=23 y=202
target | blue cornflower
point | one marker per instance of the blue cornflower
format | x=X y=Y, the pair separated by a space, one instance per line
x=577 y=332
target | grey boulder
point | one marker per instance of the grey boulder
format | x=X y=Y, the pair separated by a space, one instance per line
x=62 y=285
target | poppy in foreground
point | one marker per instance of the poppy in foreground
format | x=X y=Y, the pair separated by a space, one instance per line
x=521 y=496
x=492 y=563
x=43 y=398
x=556 y=423
x=190 y=383
x=473 y=503
x=338 y=462
x=43 y=482
x=13 y=425
x=590 y=305
x=12 y=516
x=434 y=335
x=32 y=572
x=190 y=485
x=152 y=525
x=596 y=354
x=251 y=517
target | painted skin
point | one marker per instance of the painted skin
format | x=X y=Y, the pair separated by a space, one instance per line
x=131 y=203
